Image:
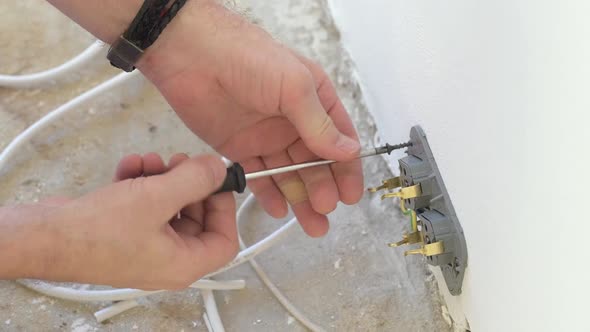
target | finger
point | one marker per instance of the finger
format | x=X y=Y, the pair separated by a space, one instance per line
x=129 y=167
x=218 y=244
x=176 y=159
x=313 y=223
x=249 y=142
x=188 y=223
x=319 y=181
x=187 y=226
x=301 y=104
x=268 y=195
x=153 y=164
x=349 y=175
x=293 y=188
x=55 y=201
x=191 y=181
x=192 y=211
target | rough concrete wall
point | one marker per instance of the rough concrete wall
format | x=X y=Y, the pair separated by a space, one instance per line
x=348 y=281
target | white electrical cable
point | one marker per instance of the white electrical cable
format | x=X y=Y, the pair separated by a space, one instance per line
x=127 y=296
x=26 y=135
x=52 y=75
x=207 y=322
x=257 y=248
x=118 y=308
x=205 y=286
x=85 y=295
x=212 y=313
x=266 y=280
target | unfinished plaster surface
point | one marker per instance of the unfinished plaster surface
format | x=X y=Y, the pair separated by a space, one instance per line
x=348 y=281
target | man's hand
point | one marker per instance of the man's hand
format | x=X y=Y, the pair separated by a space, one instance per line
x=252 y=99
x=259 y=103
x=127 y=234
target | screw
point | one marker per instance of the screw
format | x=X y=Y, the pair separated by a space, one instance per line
x=390 y=148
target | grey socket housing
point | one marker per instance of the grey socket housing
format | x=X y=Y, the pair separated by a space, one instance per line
x=434 y=209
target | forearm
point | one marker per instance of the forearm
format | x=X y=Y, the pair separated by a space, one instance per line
x=105 y=19
x=195 y=26
x=26 y=242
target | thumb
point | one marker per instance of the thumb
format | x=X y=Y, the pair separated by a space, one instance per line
x=193 y=180
x=301 y=104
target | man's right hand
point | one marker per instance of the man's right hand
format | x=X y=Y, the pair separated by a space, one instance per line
x=127 y=234
x=251 y=98
x=260 y=104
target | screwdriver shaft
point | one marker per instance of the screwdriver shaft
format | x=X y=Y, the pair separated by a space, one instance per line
x=285 y=169
x=290 y=168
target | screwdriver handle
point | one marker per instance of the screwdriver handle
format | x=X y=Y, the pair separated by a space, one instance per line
x=235 y=180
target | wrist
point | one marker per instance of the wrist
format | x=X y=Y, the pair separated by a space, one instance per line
x=197 y=25
x=27 y=242
x=195 y=35
x=105 y=19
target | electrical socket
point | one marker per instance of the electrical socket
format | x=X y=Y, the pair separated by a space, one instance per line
x=436 y=215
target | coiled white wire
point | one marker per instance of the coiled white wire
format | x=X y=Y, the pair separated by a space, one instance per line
x=211 y=315
x=248 y=203
x=84 y=295
x=117 y=308
x=51 y=76
x=127 y=296
x=54 y=115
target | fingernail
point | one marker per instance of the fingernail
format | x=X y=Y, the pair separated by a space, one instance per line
x=348 y=145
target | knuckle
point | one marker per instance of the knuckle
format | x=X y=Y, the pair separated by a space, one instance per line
x=324 y=127
x=298 y=84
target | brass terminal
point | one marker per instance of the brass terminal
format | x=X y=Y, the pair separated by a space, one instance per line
x=431 y=249
x=405 y=192
x=390 y=184
x=411 y=238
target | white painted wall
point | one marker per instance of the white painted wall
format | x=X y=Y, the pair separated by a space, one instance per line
x=502 y=89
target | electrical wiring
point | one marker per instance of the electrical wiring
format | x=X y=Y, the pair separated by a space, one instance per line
x=51 y=76
x=266 y=280
x=126 y=298
x=54 y=115
x=118 y=308
x=258 y=248
x=212 y=314
x=207 y=322
x=79 y=295
x=411 y=213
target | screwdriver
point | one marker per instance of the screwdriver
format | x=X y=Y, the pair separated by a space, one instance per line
x=236 y=177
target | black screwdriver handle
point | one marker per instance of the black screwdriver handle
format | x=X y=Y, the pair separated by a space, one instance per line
x=235 y=180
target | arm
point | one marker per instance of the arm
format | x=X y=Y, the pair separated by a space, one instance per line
x=127 y=234
x=252 y=99
x=105 y=19
x=24 y=243
x=249 y=97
